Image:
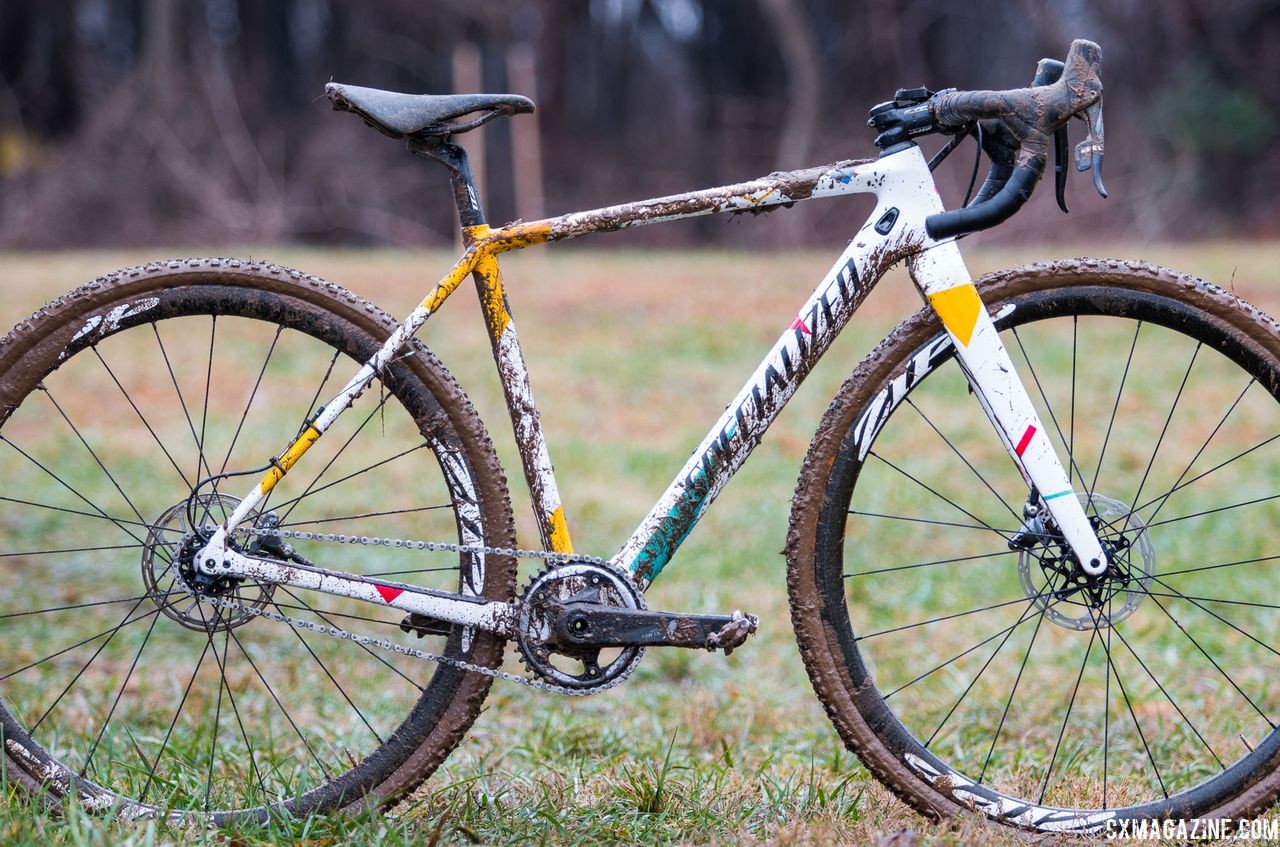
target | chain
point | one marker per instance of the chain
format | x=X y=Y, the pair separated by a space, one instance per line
x=384 y=643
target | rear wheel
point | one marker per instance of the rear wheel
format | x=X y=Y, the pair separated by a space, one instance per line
x=969 y=675
x=123 y=691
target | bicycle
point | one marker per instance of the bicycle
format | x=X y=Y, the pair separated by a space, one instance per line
x=129 y=407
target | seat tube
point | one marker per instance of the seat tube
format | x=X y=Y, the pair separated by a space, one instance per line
x=530 y=440
x=940 y=274
x=513 y=374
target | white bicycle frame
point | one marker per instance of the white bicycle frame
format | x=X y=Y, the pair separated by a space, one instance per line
x=906 y=196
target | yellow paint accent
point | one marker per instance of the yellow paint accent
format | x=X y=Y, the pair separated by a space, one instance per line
x=472 y=234
x=560 y=542
x=452 y=279
x=492 y=297
x=289 y=459
x=516 y=236
x=958 y=307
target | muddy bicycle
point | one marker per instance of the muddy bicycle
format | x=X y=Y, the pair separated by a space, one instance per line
x=1029 y=559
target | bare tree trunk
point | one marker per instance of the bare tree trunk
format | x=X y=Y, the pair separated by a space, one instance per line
x=804 y=92
x=522 y=71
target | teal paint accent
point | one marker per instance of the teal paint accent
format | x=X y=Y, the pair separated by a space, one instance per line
x=1057 y=494
x=662 y=545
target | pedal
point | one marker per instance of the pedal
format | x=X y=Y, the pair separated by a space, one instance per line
x=732 y=635
x=421 y=625
x=597 y=625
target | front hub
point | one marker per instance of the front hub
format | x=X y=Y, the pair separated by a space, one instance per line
x=1056 y=584
x=177 y=586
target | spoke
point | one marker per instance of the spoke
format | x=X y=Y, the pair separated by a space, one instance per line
x=173 y=378
x=119 y=693
x=279 y=705
x=110 y=633
x=1115 y=408
x=235 y=710
x=71 y=550
x=292 y=504
x=1106 y=704
x=341 y=518
x=1071 y=426
x=87 y=605
x=351 y=476
x=1199 y=568
x=1169 y=697
x=1008 y=704
x=1137 y=497
x=81 y=643
x=1201 y=476
x=1023 y=616
x=942 y=497
x=249 y=403
x=1155 y=599
x=335 y=682
x=962 y=458
x=217 y=711
x=1165 y=498
x=931 y=522
x=204 y=414
x=1053 y=418
x=955 y=560
x=1129 y=705
x=94 y=455
x=1021 y=598
x=186 y=482
x=324 y=616
x=164 y=745
x=1195 y=602
x=1252 y=502
x=121 y=522
x=961 y=655
x=1066 y=718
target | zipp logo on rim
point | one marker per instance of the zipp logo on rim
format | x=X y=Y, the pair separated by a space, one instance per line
x=100 y=325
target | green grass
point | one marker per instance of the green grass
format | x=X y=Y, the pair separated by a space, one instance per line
x=632 y=356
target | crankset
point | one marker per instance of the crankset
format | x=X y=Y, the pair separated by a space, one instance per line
x=584 y=624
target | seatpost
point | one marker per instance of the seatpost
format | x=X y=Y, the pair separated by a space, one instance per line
x=453 y=157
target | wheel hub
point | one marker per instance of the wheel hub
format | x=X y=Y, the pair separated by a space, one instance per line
x=172 y=579
x=1069 y=597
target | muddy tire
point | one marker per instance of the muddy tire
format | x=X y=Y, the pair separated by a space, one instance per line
x=969 y=676
x=123 y=693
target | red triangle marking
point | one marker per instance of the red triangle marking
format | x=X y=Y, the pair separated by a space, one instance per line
x=1025 y=442
x=388 y=593
x=799 y=324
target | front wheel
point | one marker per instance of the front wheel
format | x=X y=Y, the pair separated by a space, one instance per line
x=970 y=675
x=122 y=690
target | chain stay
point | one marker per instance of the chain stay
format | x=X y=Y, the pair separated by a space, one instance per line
x=387 y=644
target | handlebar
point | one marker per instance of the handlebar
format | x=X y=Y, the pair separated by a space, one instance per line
x=1015 y=128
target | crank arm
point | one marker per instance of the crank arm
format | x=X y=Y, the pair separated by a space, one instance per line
x=476 y=612
x=595 y=625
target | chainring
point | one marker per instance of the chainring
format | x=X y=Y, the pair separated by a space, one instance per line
x=560 y=585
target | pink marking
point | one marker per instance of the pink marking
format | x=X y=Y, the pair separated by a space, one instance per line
x=1025 y=442
x=388 y=593
x=799 y=324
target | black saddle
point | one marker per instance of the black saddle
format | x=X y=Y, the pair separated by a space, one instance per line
x=406 y=115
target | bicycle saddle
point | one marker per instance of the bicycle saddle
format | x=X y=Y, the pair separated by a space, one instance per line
x=403 y=115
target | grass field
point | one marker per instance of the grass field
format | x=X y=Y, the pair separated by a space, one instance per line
x=632 y=355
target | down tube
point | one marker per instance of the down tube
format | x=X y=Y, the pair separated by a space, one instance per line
x=746 y=418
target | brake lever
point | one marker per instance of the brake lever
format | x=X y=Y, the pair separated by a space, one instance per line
x=1060 y=143
x=1089 y=151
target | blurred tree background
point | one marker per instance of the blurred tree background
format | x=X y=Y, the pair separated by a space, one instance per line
x=145 y=122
